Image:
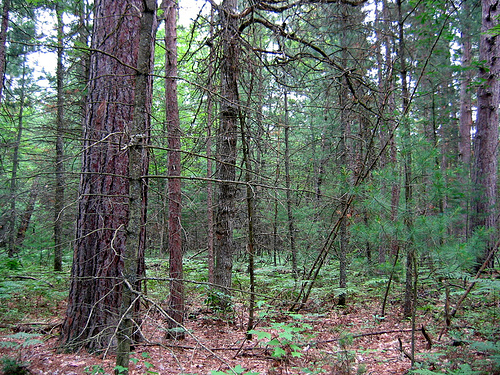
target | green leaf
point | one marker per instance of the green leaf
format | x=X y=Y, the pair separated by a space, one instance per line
x=260 y=334
x=278 y=352
x=286 y=335
x=274 y=342
x=238 y=369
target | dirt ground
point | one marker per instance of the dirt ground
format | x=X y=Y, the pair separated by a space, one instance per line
x=351 y=340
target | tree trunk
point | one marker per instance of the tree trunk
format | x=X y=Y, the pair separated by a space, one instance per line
x=59 y=167
x=138 y=162
x=291 y=226
x=226 y=154
x=12 y=245
x=210 y=205
x=110 y=135
x=176 y=298
x=28 y=212
x=465 y=95
x=486 y=138
x=250 y=200
x=410 y=251
x=3 y=40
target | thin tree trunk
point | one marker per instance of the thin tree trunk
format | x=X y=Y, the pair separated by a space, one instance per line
x=176 y=299
x=410 y=256
x=28 y=212
x=465 y=95
x=12 y=248
x=466 y=121
x=344 y=157
x=3 y=40
x=250 y=200
x=210 y=204
x=226 y=154
x=59 y=167
x=291 y=226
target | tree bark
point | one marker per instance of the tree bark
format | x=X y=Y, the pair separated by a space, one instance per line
x=486 y=138
x=226 y=154
x=110 y=135
x=138 y=161
x=176 y=299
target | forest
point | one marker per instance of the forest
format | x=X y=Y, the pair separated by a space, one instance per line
x=249 y=187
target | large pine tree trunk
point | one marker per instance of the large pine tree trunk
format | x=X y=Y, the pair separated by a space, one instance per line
x=103 y=210
x=486 y=138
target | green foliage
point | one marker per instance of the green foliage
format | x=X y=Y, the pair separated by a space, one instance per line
x=238 y=370
x=490 y=347
x=285 y=338
x=464 y=369
x=27 y=339
x=218 y=301
x=94 y=369
x=12 y=366
x=120 y=370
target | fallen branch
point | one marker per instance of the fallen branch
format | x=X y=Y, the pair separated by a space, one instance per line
x=365 y=335
x=29 y=278
x=427 y=337
x=39 y=327
x=189 y=347
x=478 y=274
x=402 y=350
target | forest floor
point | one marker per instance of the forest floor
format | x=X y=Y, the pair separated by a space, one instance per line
x=323 y=339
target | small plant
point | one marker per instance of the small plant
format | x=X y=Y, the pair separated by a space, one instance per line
x=238 y=370
x=95 y=369
x=287 y=338
x=463 y=370
x=218 y=301
x=149 y=366
x=12 y=366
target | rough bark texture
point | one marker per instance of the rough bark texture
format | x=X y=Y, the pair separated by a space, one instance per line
x=486 y=139
x=103 y=210
x=226 y=153
x=176 y=298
